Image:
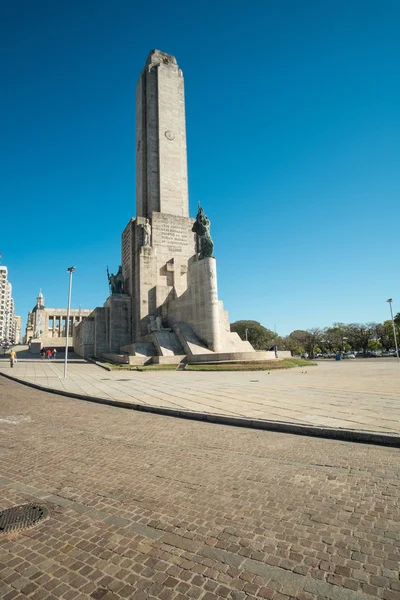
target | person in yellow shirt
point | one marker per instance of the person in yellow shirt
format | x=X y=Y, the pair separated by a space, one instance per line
x=13 y=356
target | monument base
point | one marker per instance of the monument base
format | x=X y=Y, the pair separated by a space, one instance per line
x=35 y=347
x=232 y=357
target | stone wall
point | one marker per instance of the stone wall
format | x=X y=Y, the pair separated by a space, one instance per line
x=118 y=328
x=237 y=357
x=83 y=340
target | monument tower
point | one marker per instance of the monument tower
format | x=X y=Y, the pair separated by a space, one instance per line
x=163 y=304
x=161 y=163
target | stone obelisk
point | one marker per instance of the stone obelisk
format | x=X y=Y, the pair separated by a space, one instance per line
x=161 y=163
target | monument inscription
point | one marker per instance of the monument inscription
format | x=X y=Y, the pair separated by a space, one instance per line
x=173 y=234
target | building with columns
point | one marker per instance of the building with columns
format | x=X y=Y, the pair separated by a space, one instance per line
x=49 y=325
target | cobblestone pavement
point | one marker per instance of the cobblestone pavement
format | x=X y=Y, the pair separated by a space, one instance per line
x=146 y=506
x=353 y=394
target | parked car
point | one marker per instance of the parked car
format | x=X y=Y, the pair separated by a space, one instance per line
x=349 y=355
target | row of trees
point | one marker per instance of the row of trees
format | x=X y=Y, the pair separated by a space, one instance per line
x=339 y=337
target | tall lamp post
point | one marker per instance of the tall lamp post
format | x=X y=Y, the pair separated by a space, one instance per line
x=71 y=270
x=394 y=329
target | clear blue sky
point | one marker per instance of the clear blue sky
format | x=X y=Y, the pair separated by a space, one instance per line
x=293 y=119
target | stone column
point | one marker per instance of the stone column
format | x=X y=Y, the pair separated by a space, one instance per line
x=204 y=294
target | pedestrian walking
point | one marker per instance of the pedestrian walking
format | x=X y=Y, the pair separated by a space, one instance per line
x=55 y=353
x=276 y=351
x=48 y=353
x=12 y=358
x=42 y=353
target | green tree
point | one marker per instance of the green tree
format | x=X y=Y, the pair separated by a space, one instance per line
x=308 y=339
x=259 y=336
x=288 y=343
x=360 y=334
x=338 y=336
x=374 y=345
x=384 y=333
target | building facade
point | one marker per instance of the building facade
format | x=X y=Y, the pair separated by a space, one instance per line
x=49 y=325
x=18 y=329
x=7 y=317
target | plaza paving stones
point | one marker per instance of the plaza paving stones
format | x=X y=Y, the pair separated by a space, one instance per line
x=146 y=506
x=359 y=395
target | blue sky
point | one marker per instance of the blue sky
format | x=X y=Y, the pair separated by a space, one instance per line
x=293 y=126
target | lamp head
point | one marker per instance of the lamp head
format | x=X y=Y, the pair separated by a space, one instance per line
x=390 y=300
x=71 y=269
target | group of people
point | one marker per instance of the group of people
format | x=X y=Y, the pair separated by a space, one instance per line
x=48 y=353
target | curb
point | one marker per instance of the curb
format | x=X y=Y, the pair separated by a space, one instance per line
x=99 y=364
x=345 y=435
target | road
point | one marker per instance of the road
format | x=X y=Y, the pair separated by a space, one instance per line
x=147 y=506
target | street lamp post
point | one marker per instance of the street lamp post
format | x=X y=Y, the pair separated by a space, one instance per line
x=394 y=329
x=71 y=270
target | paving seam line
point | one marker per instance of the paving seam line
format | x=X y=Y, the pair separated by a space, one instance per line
x=279 y=574
x=345 y=435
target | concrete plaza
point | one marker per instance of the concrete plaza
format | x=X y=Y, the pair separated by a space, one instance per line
x=359 y=395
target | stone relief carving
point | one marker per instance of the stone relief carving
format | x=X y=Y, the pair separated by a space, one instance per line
x=156 y=324
x=152 y=326
x=169 y=135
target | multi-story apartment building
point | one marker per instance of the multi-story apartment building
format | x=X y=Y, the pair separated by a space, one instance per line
x=7 y=316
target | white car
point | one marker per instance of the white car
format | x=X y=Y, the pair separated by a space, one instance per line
x=350 y=355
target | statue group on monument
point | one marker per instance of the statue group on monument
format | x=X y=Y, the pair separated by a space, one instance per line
x=116 y=282
x=201 y=227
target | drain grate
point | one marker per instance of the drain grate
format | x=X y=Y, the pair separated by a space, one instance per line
x=21 y=517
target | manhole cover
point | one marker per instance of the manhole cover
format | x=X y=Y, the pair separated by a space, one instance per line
x=21 y=517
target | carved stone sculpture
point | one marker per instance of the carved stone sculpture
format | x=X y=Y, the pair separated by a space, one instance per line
x=152 y=326
x=147 y=233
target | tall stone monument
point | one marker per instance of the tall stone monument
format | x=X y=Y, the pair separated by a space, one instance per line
x=164 y=306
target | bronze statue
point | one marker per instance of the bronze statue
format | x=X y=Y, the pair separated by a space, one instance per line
x=116 y=282
x=201 y=227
